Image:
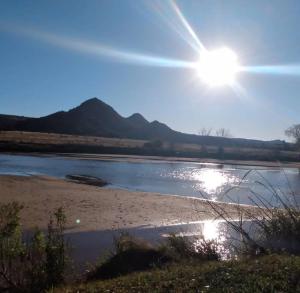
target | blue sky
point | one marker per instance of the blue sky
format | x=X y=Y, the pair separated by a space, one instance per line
x=55 y=54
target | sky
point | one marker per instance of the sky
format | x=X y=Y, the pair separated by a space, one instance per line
x=135 y=55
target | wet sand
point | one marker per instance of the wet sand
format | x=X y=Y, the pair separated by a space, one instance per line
x=90 y=208
x=96 y=215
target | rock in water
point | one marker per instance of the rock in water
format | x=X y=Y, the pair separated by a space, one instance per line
x=89 y=180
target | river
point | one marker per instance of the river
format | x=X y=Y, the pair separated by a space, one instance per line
x=222 y=182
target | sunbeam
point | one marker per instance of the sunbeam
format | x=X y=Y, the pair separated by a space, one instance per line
x=98 y=49
x=187 y=25
x=170 y=13
x=286 y=69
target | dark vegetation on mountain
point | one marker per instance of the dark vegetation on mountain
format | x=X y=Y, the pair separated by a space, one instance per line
x=9 y=122
x=95 y=118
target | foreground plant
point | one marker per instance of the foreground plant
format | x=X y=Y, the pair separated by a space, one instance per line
x=131 y=254
x=271 y=273
x=265 y=228
x=35 y=265
x=189 y=248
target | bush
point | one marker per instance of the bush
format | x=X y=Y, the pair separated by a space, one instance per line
x=130 y=254
x=33 y=266
x=180 y=247
x=55 y=249
x=281 y=232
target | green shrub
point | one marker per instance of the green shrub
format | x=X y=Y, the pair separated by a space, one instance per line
x=130 y=254
x=180 y=247
x=35 y=265
x=281 y=232
x=55 y=249
x=133 y=254
x=12 y=250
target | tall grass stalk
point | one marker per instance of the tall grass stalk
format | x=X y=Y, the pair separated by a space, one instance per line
x=273 y=228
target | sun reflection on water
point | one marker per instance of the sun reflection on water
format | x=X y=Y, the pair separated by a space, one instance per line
x=210 y=230
x=207 y=229
x=205 y=232
x=211 y=180
x=213 y=232
x=207 y=180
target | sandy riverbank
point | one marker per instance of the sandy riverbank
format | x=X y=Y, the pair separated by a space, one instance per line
x=99 y=208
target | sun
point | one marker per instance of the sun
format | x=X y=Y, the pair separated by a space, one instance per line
x=218 y=67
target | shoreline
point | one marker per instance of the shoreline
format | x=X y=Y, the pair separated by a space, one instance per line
x=95 y=215
x=90 y=208
x=159 y=159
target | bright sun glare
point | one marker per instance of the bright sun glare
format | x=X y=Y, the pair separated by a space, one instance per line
x=218 y=67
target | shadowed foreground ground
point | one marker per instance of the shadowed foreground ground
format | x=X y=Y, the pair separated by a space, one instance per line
x=271 y=273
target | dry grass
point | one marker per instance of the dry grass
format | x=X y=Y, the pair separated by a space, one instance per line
x=21 y=137
x=63 y=139
x=275 y=225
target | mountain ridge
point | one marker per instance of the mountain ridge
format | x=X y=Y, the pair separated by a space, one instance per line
x=94 y=117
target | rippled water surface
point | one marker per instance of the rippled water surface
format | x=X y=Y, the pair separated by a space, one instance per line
x=211 y=181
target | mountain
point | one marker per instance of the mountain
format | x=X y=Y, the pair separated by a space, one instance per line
x=9 y=122
x=137 y=119
x=93 y=117
x=96 y=118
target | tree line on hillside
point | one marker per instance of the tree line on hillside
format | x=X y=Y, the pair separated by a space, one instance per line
x=291 y=132
x=221 y=132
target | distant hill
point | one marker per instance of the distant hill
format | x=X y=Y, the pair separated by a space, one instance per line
x=95 y=118
x=9 y=122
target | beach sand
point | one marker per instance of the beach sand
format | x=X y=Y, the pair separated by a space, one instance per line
x=90 y=208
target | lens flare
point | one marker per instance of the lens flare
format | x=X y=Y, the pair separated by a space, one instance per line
x=99 y=49
x=173 y=17
x=187 y=26
x=284 y=69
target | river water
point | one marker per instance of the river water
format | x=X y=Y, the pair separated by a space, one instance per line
x=222 y=182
